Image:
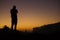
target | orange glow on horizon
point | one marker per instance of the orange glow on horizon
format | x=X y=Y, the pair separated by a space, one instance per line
x=27 y=24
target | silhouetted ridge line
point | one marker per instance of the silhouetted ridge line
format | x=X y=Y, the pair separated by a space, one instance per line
x=47 y=29
x=46 y=32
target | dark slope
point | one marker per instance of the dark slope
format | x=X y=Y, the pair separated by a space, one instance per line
x=46 y=32
x=48 y=29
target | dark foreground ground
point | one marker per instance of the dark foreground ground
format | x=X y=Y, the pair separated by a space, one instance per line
x=8 y=34
x=15 y=35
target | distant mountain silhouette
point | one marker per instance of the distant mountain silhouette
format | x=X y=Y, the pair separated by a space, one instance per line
x=46 y=32
x=48 y=29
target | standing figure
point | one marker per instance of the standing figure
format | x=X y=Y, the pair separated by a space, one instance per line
x=13 y=12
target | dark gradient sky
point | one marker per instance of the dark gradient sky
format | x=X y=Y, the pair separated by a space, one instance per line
x=31 y=13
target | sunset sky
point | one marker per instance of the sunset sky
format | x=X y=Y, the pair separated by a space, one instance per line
x=31 y=13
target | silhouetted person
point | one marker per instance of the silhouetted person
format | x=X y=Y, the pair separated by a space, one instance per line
x=13 y=12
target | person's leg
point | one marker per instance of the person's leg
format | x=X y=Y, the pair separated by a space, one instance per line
x=15 y=24
x=12 y=24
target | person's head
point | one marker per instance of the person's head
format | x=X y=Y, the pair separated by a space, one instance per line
x=14 y=7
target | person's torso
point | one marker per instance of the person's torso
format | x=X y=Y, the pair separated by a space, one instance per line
x=14 y=13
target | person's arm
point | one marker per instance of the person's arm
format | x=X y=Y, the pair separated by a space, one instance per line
x=17 y=11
